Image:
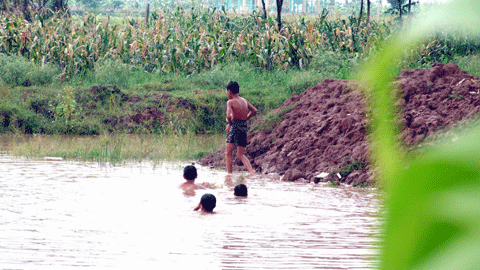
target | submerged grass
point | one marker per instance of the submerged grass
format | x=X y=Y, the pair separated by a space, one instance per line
x=112 y=149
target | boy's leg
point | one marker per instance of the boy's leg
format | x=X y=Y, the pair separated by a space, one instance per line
x=228 y=156
x=246 y=162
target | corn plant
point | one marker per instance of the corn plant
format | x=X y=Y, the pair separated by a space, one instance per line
x=179 y=41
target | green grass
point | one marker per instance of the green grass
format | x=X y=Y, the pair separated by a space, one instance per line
x=351 y=167
x=273 y=118
x=469 y=63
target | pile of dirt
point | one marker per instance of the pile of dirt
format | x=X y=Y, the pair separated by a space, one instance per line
x=324 y=128
x=434 y=98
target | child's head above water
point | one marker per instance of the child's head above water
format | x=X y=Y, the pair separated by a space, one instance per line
x=208 y=202
x=240 y=190
x=190 y=172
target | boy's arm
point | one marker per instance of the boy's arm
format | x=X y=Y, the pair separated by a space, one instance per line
x=229 y=112
x=251 y=111
x=229 y=116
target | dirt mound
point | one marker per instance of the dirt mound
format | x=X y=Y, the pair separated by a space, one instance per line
x=435 y=98
x=324 y=128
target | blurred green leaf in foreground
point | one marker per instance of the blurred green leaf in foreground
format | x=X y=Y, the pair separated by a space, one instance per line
x=433 y=200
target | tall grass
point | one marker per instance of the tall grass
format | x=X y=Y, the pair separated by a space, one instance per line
x=469 y=63
x=432 y=199
x=113 y=149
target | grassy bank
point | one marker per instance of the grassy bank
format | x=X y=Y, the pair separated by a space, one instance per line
x=112 y=149
x=95 y=75
x=98 y=105
x=195 y=103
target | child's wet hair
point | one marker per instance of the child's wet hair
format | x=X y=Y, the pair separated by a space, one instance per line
x=208 y=202
x=190 y=172
x=233 y=87
x=240 y=190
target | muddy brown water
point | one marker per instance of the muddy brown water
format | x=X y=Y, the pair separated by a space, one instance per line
x=61 y=215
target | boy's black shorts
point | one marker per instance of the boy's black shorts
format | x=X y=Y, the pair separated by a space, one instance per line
x=238 y=133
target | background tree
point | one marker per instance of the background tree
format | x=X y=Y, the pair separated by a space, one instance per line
x=361 y=12
x=397 y=6
x=368 y=11
x=26 y=11
x=279 y=14
x=264 y=10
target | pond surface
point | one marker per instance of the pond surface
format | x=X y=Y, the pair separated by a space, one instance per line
x=60 y=215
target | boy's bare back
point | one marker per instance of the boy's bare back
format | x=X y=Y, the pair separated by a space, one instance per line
x=238 y=108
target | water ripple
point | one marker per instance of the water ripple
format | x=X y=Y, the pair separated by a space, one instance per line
x=73 y=214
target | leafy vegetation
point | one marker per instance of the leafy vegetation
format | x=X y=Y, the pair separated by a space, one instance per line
x=169 y=45
x=350 y=167
x=431 y=199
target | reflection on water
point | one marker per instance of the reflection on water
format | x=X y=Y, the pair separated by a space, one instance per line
x=69 y=214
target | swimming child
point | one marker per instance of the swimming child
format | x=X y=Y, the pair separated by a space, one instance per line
x=207 y=203
x=240 y=190
x=190 y=174
x=239 y=111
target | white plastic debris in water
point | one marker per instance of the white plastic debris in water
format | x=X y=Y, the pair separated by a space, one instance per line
x=322 y=175
x=53 y=158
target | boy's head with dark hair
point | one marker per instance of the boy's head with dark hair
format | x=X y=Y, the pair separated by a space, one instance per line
x=208 y=202
x=240 y=190
x=233 y=87
x=190 y=172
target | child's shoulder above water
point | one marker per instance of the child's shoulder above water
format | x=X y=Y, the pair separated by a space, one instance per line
x=190 y=174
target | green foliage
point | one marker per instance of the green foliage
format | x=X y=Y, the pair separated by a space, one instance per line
x=334 y=183
x=273 y=118
x=333 y=65
x=210 y=112
x=111 y=72
x=17 y=70
x=65 y=109
x=169 y=44
x=14 y=69
x=219 y=75
x=469 y=63
x=304 y=80
x=432 y=201
x=350 y=167
x=8 y=113
x=47 y=74
x=16 y=119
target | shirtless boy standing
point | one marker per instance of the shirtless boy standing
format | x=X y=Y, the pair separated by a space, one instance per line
x=239 y=110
